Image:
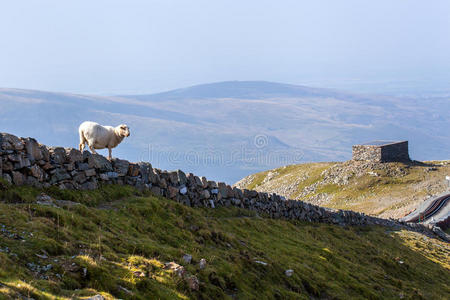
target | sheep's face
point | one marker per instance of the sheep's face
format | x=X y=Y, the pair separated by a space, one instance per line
x=124 y=131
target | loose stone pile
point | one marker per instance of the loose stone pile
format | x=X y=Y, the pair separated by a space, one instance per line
x=26 y=162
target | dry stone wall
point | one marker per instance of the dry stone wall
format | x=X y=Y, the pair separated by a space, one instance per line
x=26 y=162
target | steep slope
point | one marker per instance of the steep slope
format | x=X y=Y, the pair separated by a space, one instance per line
x=228 y=130
x=116 y=241
x=385 y=190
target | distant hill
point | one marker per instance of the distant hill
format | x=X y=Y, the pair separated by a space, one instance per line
x=239 y=89
x=228 y=130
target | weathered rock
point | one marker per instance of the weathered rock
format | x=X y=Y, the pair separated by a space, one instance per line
x=156 y=191
x=20 y=161
x=289 y=272
x=18 y=178
x=176 y=268
x=33 y=149
x=133 y=170
x=10 y=142
x=187 y=258
x=145 y=169
x=163 y=183
x=80 y=177
x=193 y=282
x=90 y=185
x=154 y=176
x=120 y=166
x=37 y=173
x=439 y=232
x=74 y=155
x=59 y=175
x=182 y=179
x=96 y=297
x=82 y=166
x=205 y=194
x=58 y=155
x=90 y=172
x=202 y=263
x=223 y=189
x=100 y=163
x=172 y=192
x=204 y=182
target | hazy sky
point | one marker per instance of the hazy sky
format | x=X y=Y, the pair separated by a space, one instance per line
x=111 y=47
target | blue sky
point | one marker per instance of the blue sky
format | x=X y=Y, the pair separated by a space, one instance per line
x=119 y=47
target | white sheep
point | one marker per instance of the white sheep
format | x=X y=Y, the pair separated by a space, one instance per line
x=101 y=137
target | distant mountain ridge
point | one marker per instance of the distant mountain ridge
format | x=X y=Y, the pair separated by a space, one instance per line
x=239 y=89
x=228 y=130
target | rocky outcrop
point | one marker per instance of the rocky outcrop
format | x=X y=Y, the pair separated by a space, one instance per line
x=26 y=162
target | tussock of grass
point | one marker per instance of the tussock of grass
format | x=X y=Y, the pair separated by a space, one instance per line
x=123 y=245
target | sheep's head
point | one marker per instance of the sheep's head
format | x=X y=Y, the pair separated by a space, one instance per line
x=123 y=130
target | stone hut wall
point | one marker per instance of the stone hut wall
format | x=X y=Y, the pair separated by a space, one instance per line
x=23 y=161
x=366 y=153
x=390 y=152
x=395 y=152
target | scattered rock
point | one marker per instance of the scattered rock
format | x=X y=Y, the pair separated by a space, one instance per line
x=261 y=262
x=193 y=282
x=176 y=268
x=202 y=263
x=187 y=258
x=125 y=290
x=96 y=297
x=289 y=272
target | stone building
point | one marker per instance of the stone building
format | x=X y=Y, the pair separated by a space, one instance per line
x=382 y=151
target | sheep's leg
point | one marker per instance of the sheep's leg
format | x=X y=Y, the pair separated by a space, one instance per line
x=82 y=142
x=92 y=149
x=110 y=153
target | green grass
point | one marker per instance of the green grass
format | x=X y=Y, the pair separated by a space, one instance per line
x=138 y=233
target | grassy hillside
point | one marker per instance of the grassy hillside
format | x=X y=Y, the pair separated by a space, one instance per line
x=116 y=242
x=386 y=190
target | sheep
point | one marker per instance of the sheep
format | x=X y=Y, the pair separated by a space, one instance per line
x=101 y=137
